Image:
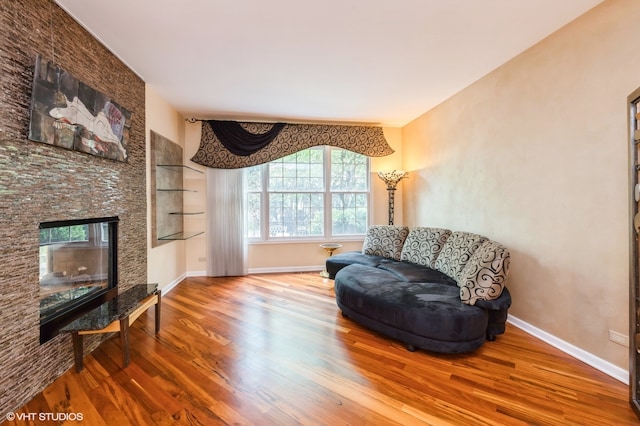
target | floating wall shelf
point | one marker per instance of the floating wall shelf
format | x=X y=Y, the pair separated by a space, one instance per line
x=168 y=191
x=180 y=236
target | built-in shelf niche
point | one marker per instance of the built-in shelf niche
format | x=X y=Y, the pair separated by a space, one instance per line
x=168 y=191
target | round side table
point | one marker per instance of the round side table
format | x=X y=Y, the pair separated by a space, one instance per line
x=329 y=248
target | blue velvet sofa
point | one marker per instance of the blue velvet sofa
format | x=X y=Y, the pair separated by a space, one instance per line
x=429 y=288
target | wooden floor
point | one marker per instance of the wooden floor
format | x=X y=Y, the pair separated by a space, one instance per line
x=275 y=350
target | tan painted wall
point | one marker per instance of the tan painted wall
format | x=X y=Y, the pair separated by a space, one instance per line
x=379 y=188
x=166 y=263
x=196 y=248
x=534 y=155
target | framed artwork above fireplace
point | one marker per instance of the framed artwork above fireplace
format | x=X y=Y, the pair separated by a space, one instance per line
x=66 y=112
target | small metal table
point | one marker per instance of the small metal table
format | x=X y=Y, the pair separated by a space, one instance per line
x=329 y=248
x=115 y=315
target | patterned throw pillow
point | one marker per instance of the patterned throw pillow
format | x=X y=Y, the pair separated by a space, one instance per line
x=423 y=245
x=485 y=274
x=456 y=252
x=385 y=240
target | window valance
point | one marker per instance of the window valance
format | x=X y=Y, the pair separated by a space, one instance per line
x=250 y=144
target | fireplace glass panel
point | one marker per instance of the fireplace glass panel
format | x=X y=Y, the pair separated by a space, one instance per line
x=77 y=264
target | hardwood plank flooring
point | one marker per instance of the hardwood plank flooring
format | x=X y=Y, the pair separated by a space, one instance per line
x=273 y=349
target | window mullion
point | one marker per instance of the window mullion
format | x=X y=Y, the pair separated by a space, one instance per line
x=328 y=232
x=264 y=202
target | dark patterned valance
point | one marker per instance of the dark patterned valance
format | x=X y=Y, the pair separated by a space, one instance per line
x=240 y=141
x=292 y=138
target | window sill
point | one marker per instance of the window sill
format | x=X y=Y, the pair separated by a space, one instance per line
x=346 y=239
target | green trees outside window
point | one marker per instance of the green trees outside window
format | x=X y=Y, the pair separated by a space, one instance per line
x=319 y=192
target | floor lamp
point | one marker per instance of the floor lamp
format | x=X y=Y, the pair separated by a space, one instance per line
x=391 y=178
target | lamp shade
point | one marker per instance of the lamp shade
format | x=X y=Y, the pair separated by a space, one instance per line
x=391 y=178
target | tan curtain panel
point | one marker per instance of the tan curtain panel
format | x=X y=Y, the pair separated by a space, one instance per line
x=292 y=138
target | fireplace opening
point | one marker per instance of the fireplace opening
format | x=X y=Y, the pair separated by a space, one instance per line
x=78 y=269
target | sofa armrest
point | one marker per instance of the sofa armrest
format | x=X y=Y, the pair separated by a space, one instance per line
x=502 y=303
x=497 y=309
x=338 y=261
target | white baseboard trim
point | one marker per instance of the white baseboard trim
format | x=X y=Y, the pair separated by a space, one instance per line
x=276 y=270
x=282 y=270
x=197 y=274
x=598 y=363
x=166 y=289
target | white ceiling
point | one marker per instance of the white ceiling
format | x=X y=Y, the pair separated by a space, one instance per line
x=354 y=61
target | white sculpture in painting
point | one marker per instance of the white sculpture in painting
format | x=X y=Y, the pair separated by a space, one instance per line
x=99 y=128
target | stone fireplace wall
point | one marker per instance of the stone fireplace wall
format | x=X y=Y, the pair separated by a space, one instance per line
x=40 y=183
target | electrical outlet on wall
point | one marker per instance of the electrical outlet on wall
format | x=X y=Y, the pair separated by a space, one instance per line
x=619 y=338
